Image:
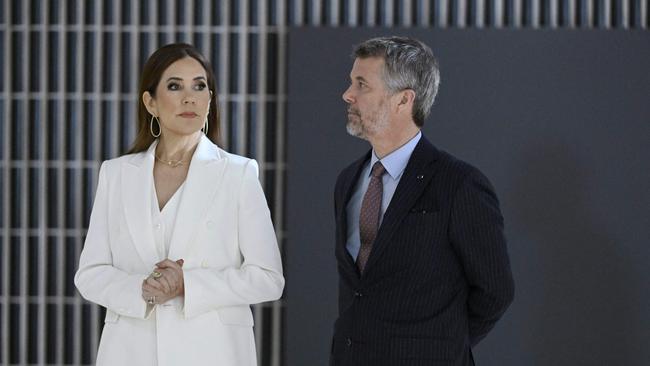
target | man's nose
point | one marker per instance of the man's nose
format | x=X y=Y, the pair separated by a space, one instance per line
x=347 y=96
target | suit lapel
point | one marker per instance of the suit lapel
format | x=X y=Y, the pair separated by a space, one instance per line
x=137 y=185
x=201 y=185
x=347 y=189
x=415 y=179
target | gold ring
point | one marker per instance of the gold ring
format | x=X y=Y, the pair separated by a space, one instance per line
x=156 y=274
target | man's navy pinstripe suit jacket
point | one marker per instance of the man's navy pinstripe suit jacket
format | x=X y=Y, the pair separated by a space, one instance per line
x=438 y=277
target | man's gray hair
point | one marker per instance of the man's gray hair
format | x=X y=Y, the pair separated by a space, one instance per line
x=409 y=64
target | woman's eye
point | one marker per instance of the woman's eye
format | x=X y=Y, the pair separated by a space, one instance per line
x=173 y=86
x=200 y=86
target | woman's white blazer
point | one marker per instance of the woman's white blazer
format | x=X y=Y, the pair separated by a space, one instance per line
x=224 y=234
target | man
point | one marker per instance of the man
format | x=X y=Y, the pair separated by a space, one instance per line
x=423 y=267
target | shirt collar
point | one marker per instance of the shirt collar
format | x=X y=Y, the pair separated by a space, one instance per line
x=395 y=162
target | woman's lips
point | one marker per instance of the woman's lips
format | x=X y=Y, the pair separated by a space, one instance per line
x=188 y=115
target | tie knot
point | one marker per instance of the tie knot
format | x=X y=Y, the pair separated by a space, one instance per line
x=378 y=170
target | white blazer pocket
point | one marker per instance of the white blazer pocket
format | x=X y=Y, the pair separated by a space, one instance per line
x=236 y=315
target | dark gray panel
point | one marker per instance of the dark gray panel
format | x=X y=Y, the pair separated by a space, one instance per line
x=559 y=121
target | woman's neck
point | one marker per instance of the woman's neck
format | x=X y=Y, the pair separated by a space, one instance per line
x=176 y=148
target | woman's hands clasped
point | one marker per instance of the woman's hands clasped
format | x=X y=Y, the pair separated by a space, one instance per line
x=164 y=283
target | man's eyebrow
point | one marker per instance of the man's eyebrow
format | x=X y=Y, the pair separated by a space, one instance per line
x=360 y=78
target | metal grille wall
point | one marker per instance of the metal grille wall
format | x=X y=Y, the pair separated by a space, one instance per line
x=68 y=78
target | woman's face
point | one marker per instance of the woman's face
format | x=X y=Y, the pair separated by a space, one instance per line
x=182 y=100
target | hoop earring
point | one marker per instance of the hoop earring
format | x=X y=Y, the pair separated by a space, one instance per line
x=205 y=127
x=151 y=126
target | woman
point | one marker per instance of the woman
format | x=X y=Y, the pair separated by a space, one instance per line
x=180 y=241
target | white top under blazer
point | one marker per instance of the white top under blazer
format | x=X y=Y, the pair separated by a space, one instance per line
x=222 y=231
x=164 y=220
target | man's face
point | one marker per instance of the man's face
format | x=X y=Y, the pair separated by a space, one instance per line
x=367 y=98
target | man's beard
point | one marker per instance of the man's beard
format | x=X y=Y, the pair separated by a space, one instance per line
x=358 y=127
x=355 y=125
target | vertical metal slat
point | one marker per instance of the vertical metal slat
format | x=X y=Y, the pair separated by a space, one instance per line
x=61 y=170
x=334 y=13
x=23 y=303
x=458 y=13
x=242 y=79
x=534 y=13
x=352 y=12
x=206 y=31
x=78 y=106
x=516 y=13
x=316 y=15
x=479 y=16
x=4 y=287
x=407 y=13
x=571 y=16
x=42 y=193
x=624 y=14
x=224 y=80
x=605 y=16
x=423 y=12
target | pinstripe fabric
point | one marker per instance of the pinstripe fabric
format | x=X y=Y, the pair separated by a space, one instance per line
x=438 y=277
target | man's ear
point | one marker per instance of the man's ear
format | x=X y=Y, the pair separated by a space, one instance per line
x=407 y=98
x=150 y=103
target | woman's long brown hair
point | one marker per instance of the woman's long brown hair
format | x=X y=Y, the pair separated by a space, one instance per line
x=153 y=69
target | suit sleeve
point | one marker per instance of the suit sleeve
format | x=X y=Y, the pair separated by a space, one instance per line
x=259 y=278
x=476 y=232
x=97 y=279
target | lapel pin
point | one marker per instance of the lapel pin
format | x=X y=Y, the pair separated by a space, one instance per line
x=420 y=177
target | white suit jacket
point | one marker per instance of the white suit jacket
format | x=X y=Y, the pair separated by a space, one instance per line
x=224 y=234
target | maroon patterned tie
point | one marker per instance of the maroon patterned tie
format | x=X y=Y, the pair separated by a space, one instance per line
x=369 y=216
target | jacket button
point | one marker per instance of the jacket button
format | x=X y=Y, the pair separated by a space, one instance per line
x=348 y=342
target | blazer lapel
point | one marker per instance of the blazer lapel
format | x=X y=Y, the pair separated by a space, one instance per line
x=415 y=179
x=347 y=189
x=201 y=185
x=137 y=185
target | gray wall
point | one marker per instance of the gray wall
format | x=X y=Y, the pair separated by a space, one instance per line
x=560 y=123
